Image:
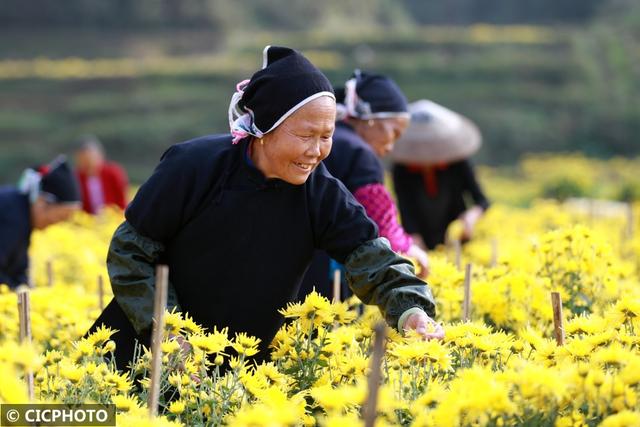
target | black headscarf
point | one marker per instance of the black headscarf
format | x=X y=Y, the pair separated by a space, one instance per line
x=286 y=82
x=371 y=96
x=55 y=181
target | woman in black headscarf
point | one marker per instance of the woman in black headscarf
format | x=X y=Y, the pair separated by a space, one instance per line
x=45 y=195
x=372 y=115
x=237 y=218
x=433 y=177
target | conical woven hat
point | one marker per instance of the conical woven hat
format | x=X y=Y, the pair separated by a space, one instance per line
x=436 y=135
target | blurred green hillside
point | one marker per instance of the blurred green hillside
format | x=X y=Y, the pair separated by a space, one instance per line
x=560 y=78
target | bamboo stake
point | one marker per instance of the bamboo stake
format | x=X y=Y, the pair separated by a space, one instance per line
x=466 y=302
x=371 y=404
x=101 y=292
x=24 y=315
x=49 y=273
x=24 y=309
x=457 y=248
x=494 y=252
x=30 y=283
x=160 y=303
x=558 y=322
x=336 y=285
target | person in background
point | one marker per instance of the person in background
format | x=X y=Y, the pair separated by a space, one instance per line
x=372 y=115
x=236 y=217
x=102 y=183
x=433 y=178
x=45 y=195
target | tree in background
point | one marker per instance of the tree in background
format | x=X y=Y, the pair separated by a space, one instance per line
x=284 y=14
x=609 y=62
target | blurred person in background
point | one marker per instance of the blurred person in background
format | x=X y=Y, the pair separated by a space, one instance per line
x=45 y=195
x=237 y=217
x=102 y=183
x=372 y=115
x=433 y=178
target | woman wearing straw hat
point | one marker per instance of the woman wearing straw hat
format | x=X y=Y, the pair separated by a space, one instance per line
x=372 y=114
x=432 y=175
x=237 y=218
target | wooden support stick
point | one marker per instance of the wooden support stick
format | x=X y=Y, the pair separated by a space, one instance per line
x=494 y=252
x=24 y=310
x=371 y=404
x=336 y=285
x=100 y=292
x=49 y=273
x=457 y=248
x=160 y=303
x=466 y=302
x=30 y=283
x=24 y=315
x=558 y=322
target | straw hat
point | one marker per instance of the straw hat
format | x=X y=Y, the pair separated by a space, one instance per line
x=436 y=135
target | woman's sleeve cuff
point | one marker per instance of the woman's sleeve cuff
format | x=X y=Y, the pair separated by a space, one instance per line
x=404 y=316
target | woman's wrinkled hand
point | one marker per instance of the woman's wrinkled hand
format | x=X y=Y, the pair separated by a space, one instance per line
x=418 y=240
x=185 y=348
x=424 y=325
x=469 y=219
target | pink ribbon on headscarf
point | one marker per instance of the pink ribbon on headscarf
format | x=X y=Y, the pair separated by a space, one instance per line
x=239 y=123
x=240 y=86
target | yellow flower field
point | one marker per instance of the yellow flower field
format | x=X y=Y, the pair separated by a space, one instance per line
x=502 y=368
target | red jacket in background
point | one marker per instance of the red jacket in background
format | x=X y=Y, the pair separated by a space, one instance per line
x=114 y=186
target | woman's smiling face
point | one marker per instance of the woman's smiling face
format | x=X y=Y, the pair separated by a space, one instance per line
x=296 y=147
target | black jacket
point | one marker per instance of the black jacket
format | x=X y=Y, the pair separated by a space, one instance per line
x=429 y=213
x=238 y=244
x=353 y=162
x=15 y=234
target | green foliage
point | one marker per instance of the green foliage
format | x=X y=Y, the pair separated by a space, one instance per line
x=607 y=57
x=284 y=14
x=629 y=192
x=528 y=88
x=562 y=189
